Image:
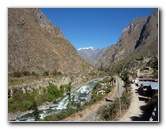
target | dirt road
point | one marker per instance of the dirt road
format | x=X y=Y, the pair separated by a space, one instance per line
x=134 y=110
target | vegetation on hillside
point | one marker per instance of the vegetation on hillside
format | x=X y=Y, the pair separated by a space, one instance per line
x=24 y=101
x=135 y=60
x=19 y=77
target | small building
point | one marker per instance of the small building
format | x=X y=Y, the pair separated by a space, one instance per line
x=101 y=92
x=148 y=88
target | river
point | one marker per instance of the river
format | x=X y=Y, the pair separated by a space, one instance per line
x=78 y=96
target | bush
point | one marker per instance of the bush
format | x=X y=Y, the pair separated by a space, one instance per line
x=110 y=112
x=27 y=105
x=53 y=92
x=46 y=73
x=54 y=73
x=16 y=74
x=61 y=115
x=26 y=73
x=10 y=100
x=20 y=101
x=34 y=74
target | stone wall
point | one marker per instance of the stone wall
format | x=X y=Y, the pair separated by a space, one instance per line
x=39 y=85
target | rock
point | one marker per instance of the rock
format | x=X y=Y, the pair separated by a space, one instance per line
x=140 y=33
x=36 y=45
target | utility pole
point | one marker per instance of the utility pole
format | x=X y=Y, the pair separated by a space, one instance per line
x=118 y=94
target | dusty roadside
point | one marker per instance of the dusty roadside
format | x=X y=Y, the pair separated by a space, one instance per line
x=134 y=109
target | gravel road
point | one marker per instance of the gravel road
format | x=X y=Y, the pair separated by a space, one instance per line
x=134 y=109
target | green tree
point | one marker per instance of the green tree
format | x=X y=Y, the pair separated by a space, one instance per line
x=36 y=111
x=68 y=90
x=53 y=92
x=125 y=78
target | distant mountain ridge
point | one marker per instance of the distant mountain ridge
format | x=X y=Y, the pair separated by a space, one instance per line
x=91 y=54
x=140 y=33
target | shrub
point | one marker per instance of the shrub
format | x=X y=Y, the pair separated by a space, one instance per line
x=110 y=112
x=16 y=74
x=26 y=73
x=34 y=74
x=27 y=105
x=46 y=73
x=53 y=92
x=10 y=100
x=54 y=73
x=36 y=111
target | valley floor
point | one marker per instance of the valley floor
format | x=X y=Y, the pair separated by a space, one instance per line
x=90 y=113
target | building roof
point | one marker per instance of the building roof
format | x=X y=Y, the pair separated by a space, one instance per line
x=154 y=85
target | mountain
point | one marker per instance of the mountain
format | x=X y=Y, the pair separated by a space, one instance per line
x=91 y=54
x=140 y=36
x=36 y=45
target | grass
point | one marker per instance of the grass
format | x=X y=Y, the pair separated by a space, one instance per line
x=111 y=112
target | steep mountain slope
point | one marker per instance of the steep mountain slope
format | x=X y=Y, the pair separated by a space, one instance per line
x=35 y=44
x=91 y=54
x=149 y=32
x=140 y=33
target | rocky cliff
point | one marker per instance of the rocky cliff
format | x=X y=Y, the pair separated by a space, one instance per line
x=140 y=33
x=35 y=44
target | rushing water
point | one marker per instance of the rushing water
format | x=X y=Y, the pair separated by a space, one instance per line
x=79 y=96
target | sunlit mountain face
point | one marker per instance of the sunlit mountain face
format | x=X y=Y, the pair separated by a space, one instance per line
x=91 y=54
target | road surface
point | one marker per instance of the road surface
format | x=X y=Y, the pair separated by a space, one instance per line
x=134 y=110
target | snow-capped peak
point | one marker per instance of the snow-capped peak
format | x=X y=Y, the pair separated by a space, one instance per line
x=87 y=48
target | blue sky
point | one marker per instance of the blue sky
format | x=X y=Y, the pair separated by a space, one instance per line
x=97 y=27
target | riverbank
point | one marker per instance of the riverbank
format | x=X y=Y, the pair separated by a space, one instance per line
x=44 y=106
x=90 y=113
